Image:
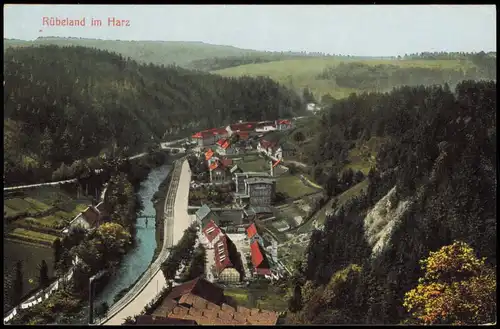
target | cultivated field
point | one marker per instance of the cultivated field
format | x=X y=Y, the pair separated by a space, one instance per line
x=47 y=210
x=302 y=73
x=33 y=220
x=31 y=256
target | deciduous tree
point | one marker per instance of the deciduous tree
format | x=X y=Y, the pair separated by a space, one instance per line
x=457 y=288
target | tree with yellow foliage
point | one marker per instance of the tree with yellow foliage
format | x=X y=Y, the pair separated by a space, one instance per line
x=114 y=237
x=457 y=288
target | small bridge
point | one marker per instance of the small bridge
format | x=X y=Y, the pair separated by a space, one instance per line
x=146 y=217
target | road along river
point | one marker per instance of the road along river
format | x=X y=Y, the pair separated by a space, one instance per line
x=177 y=221
x=136 y=261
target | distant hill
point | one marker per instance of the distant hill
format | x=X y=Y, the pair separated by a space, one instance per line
x=188 y=54
x=157 y=52
x=341 y=76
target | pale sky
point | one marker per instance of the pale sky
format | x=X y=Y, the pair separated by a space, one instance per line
x=362 y=30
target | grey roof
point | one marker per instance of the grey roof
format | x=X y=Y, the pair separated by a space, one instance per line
x=261 y=209
x=254 y=173
x=259 y=180
x=253 y=210
x=203 y=212
x=234 y=168
x=234 y=216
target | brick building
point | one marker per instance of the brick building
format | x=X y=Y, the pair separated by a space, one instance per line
x=204 y=303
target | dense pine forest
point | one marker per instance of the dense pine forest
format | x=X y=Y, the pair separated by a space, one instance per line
x=434 y=183
x=63 y=104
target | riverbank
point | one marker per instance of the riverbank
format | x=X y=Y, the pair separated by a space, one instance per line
x=158 y=201
x=159 y=204
x=137 y=260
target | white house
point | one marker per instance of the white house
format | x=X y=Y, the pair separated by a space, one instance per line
x=313 y=107
x=265 y=126
x=266 y=147
x=264 y=129
x=88 y=219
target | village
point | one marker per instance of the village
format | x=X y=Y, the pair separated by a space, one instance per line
x=236 y=250
x=245 y=202
x=238 y=175
x=238 y=197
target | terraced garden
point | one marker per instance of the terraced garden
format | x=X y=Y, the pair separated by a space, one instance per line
x=33 y=220
x=29 y=206
x=32 y=236
x=46 y=210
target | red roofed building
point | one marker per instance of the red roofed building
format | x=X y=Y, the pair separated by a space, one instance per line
x=204 y=138
x=219 y=169
x=224 y=147
x=209 y=154
x=244 y=135
x=224 y=265
x=219 y=133
x=202 y=302
x=283 y=124
x=251 y=231
x=267 y=147
x=259 y=259
x=211 y=232
x=253 y=235
x=210 y=136
x=242 y=127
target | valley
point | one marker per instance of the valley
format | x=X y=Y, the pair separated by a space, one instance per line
x=204 y=183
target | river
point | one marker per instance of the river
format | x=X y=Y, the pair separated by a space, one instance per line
x=137 y=260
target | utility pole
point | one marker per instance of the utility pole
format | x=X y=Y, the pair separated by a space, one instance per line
x=91 y=300
x=91 y=296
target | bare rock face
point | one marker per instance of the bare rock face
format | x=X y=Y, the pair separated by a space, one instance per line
x=382 y=219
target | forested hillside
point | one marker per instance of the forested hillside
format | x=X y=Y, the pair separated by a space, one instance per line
x=67 y=103
x=433 y=183
x=180 y=53
x=187 y=54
